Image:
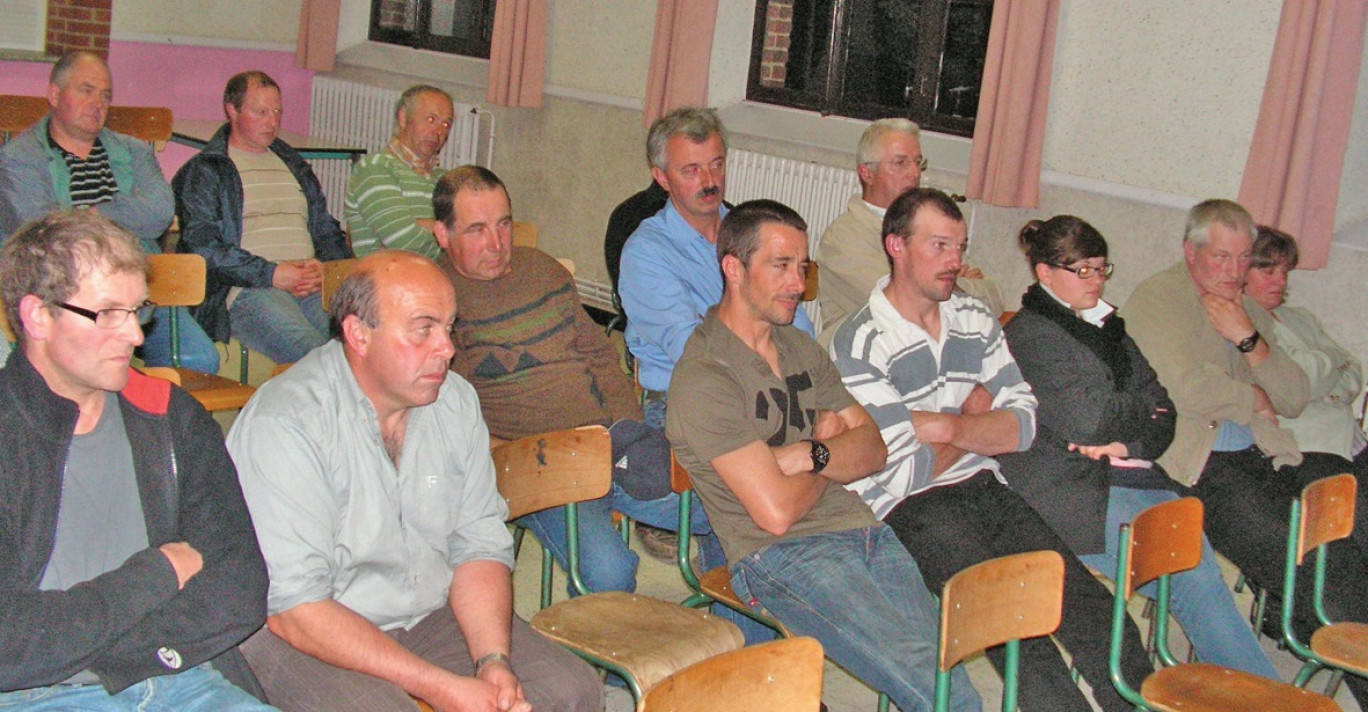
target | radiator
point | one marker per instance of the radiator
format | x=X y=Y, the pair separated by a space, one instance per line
x=363 y=115
x=819 y=193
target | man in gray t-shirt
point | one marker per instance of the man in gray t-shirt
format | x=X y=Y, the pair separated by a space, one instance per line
x=760 y=420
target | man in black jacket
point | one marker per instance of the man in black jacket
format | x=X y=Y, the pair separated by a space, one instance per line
x=129 y=569
x=251 y=206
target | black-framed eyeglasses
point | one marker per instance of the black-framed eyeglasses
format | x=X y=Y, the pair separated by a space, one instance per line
x=112 y=317
x=1086 y=271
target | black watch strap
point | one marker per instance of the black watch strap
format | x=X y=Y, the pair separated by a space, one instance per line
x=1248 y=344
x=821 y=455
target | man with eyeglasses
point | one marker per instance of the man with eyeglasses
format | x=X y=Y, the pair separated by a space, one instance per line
x=129 y=565
x=888 y=161
x=69 y=159
x=389 y=197
x=931 y=366
x=1216 y=353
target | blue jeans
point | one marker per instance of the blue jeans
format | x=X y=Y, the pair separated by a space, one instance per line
x=1200 y=599
x=653 y=409
x=281 y=326
x=197 y=350
x=861 y=595
x=199 y=689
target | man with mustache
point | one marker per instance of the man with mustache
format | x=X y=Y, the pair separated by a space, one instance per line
x=931 y=367
x=669 y=266
x=389 y=196
x=69 y=159
x=367 y=470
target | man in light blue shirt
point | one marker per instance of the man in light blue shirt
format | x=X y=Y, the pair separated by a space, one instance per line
x=669 y=265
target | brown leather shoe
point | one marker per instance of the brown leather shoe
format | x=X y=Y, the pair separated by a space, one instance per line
x=660 y=544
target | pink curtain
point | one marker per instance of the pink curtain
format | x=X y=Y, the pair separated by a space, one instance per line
x=1009 y=132
x=680 y=54
x=517 y=53
x=316 y=48
x=1292 y=175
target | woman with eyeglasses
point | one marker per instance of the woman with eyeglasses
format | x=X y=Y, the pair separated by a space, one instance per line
x=1102 y=420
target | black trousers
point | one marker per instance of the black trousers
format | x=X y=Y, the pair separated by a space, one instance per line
x=948 y=529
x=1247 y=508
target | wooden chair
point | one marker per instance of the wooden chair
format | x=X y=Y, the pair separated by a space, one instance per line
x=524 y=234
x=333 y=274
x=781 y=675
x=1163 y=540
x=1324 y=513
x=20 y=112
x=998 y=601
x=149 y=123
x=715 y=586
x=5 y=329
x=811 y=282
x=178 y=281
x=644 y=640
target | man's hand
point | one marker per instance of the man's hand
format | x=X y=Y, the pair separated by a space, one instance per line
x=980 y=401
x=1097 y=452
x=828 y=425
x=184 y=559
x=469 y=694
x=510 y=690
x=1263 y=405
x=1228 y=318
x=970 y=272
x=298 y=277
x=935 y=428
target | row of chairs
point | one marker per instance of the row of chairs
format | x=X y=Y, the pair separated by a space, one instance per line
x=646 y=640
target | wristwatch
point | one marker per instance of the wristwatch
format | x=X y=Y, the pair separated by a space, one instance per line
x=820 y=455
x=1248 y=344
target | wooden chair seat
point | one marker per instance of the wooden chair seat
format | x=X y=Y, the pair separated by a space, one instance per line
x=648 y=637
x=781 y=675
x=1343 y=644
x=1203 y=687
x=717 y=585
x=215 y=392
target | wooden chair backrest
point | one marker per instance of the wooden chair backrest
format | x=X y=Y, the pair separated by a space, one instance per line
x=333 y=274
x=552 y=469
x=1327 y=513
x=524 y=234
x=810 y=284
x=166 y=373
x=20 y=112
x=175 y=280
x=679 y=477
x=1008 y=598
x=1165 y=539
x=779 y=675
x=149 y=123
x=5 y=329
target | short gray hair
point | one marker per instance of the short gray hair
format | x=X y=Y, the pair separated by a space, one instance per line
x=869 y=140
x=410 y=97
x=62 y=69
x=695 y=122
x=1217 y=210
x=356 y=295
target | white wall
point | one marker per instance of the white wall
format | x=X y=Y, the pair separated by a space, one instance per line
x=243 y=23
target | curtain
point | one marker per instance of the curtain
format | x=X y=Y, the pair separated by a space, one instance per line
x=517 y=53
x=316 y=47
x=1009 y=131
x=680 y=55
x=1292 y=176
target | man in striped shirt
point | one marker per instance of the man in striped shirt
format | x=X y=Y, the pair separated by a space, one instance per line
x=70 y=160
x=931 y=367
x=389 y=198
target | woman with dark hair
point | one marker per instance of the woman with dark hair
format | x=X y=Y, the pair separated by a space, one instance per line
x=1102 y=420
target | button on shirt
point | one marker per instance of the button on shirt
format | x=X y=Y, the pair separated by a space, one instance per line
x=337 y=520
x=670 y=277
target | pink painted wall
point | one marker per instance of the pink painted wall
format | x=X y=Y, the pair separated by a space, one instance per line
x=187 y=79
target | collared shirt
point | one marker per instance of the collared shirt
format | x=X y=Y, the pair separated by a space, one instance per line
x=386 y=197
x=424 y=168
x=337 y=520
x=670 y=277
x=893 y=367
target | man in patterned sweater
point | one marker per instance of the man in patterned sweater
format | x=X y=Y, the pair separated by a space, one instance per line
x=389 y=198
x=931 y=367
x=539 y=363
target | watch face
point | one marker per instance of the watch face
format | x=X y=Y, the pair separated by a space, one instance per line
x=820 y=455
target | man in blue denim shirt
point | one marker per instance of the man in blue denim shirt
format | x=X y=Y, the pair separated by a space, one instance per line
x=669 y=265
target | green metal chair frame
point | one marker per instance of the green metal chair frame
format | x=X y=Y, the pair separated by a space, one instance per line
x=680 y=483
x=998 y=602
x=1323 y=514
x=1163 y=540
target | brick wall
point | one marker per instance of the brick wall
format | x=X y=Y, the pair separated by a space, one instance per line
x=78 y=25
x=778 y=27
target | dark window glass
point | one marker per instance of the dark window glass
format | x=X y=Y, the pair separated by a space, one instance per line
x=452 y=26
x=869 y=59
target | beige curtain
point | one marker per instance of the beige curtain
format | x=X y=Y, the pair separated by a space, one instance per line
x=517 y=53
x=680 y=55
x=1292 y=176
x=316 y=48
x=1009 y=132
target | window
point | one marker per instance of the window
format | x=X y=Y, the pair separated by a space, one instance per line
x=452 y=26
x=869 y=59
x=21 y=24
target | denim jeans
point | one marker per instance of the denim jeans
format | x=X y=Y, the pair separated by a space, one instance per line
x=861 y=595
x=199 y=689
x=197 y=350
x=653 y=409
x=281 y=326
x=1200 y=599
